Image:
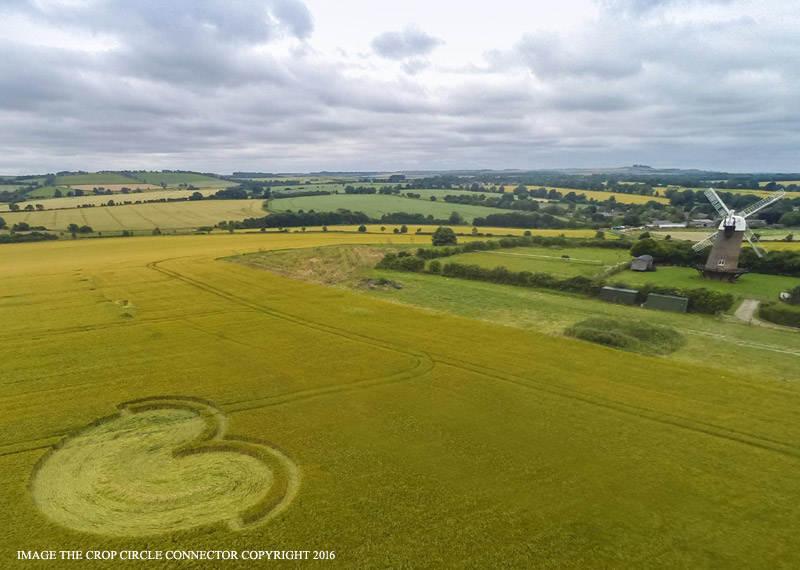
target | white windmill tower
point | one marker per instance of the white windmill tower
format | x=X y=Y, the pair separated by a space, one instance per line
x=723 y=261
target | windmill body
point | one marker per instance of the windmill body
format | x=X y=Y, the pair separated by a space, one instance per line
x=723 y=261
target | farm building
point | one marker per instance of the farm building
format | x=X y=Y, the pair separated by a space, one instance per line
x=618 y=295
x=643 y=263
x=666 y=303
x=702 y=223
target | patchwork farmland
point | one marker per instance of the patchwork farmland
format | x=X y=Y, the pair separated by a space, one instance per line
x=386 y=433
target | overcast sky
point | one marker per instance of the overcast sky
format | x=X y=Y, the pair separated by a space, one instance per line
x=291 y=85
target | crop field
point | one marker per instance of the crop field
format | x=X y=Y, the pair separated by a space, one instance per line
x=585 y=261
x=602 y=196
x=142 y=216
x=388 y=229
x=154 y=396
x=769 y=238
x=133 y=185
x=376 y=205
x=76 y=201
x=785 y=182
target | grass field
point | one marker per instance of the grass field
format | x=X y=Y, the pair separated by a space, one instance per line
x=175 y=178
x=754 y=286
x=141 y=216
x=394 y=436
x=376 y=205
x=582 y=261
x=95 y=179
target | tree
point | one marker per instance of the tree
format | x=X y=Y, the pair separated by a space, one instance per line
x=646 y=246
x=444 y=236
x=13 y=207
x=2 y=223
x=362 y=228
x=791 y=219
x=383 y=228
x=39 y=207
x=644 y=235
x=73 y=229
x=600 y=234
x=404 y=229
x=455 y=218
x=21 y=227
x=85 y=229
x=29 y=208
x=433 y=198
x=156 y=231
x=57 y=194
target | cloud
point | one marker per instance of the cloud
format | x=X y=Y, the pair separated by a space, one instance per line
x=642 y=7
x=409 y=43
x=213 y=85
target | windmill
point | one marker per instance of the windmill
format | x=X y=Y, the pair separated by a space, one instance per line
x=723 y=261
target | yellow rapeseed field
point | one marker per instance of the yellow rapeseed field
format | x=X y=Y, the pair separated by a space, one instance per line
x=154 y=397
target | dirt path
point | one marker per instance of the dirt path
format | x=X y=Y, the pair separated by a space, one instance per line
x=747 y=311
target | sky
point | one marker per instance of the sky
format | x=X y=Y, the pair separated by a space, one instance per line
x=313 y=85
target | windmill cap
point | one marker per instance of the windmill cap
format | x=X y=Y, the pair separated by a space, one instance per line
x=739 y=224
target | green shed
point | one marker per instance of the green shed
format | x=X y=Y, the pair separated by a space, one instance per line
x=666 y=303
x=618 y=295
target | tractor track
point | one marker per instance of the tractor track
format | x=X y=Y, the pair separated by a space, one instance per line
x=710 y=429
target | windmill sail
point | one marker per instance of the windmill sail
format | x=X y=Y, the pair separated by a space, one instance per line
x=705 y=243
x=717 y=203
x=751 y=237
x=761 y=204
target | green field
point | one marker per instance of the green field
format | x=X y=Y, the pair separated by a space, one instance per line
x=587 y=261
x=96 y=178
x=754 y=285
x=140 y=216
x=175 y=178
x=154 y=397
x=376 y=205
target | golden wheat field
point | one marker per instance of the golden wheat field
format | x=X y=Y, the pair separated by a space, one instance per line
x=141 y=216
x=154 y=397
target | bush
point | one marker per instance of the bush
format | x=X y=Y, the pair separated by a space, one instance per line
x=444 y=236
x=794 y=296
x=362 y=229
x=630 y=335
x=435 y=266
x=780 y=314
x=402 y=261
